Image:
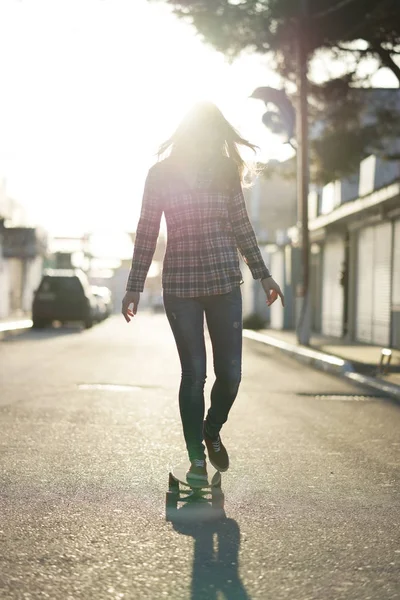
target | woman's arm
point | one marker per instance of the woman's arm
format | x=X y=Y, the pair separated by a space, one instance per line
x=246 y=242
x=146 y=235
x=244 y=233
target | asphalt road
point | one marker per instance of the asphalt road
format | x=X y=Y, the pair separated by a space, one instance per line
x=89 y=425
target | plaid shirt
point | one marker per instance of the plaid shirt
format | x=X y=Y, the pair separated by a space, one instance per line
x=206 y=225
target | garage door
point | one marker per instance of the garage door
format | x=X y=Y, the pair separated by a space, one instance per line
x=373 y=284
x=332 y=290
x=396 y=267
x=396 y=286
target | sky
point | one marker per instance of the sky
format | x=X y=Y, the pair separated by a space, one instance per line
x=90 y=88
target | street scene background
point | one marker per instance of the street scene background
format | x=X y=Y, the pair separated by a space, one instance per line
x=89 y=430
x=89 y=418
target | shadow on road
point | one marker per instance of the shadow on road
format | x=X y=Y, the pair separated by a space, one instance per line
x=216 y=553
x=36 y=335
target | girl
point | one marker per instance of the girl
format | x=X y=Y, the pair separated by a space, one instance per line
x=198 y=188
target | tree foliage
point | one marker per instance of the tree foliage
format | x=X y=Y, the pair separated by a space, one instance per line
x=232 y=26
x=341 y=29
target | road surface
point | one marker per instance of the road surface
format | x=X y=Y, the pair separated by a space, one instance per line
x=89 y=425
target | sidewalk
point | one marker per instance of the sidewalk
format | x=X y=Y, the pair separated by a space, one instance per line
x=356 y=361
x=16 y=323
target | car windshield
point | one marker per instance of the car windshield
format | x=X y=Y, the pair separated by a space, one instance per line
x=64 y=285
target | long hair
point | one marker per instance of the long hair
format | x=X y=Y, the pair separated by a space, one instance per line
x=205 y=128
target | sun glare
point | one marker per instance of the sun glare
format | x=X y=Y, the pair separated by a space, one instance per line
x=93 y=88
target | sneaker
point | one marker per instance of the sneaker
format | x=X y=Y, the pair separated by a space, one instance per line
x=197 y=473
x=217 y=453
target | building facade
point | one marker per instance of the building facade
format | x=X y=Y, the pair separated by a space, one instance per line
x=22 y=251
x=271 y=204
x=354 y=228
x=355 y=249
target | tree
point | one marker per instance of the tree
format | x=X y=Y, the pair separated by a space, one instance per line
x=348 y=31
x=232 y=26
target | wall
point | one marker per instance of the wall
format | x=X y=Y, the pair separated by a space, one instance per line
x=33 y=269
x=4 y=287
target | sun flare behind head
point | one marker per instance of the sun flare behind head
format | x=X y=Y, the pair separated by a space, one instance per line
x=82 y=123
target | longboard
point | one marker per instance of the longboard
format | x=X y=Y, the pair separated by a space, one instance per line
x=181 y=490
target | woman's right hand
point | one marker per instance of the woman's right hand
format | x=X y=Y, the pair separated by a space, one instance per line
x=130 y=298
x=272 y=291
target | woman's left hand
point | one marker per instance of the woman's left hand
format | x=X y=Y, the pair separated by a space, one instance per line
x=272 y=291
x=130 y=298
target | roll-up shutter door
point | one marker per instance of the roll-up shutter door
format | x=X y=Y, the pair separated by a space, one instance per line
x=373 y=284
x=332 y=290
x=365 y=278
x=396 y=286
x=396 y=267
x=381 y=286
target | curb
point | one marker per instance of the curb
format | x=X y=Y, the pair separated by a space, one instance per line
x=389 y=389
x=326 y=362
x=15 y=325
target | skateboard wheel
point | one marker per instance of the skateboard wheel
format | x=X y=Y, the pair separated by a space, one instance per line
x=216 y=480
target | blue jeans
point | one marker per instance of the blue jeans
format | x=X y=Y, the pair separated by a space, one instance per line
x=224 y=320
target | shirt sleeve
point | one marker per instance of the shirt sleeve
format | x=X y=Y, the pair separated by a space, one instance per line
x=244 y=233
x=146 y=235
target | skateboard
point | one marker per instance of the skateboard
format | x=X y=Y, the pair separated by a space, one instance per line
x=180 y=490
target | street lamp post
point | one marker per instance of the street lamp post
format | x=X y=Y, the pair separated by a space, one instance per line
x=303 y=319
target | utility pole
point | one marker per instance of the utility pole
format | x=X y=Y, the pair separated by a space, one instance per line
x=303 y=292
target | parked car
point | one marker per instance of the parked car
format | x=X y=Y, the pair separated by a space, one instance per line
x=104 y=301
x=63 y=295
x=100 y=310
